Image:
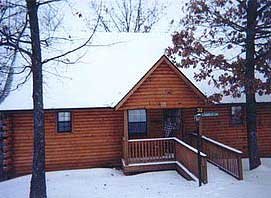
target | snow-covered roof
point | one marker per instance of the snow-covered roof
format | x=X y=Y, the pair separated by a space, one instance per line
x=112 y=65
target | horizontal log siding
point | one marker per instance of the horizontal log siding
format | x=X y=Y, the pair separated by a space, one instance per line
x=163 y=89
x=95 y=141
x=264 y=129
x=155 y=123
x=221 y=129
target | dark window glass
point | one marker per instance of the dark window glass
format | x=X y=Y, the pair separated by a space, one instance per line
x=64 y=122
x=137 y=121
x=236 y=115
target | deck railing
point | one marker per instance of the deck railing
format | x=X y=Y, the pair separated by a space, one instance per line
x=151 y=150
x=226 y=158
x=167 y=149
x=188 y=157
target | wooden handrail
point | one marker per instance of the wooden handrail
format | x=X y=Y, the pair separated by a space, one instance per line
x=225 y=157
x=231 y=149
x=166 y=149
x=169 y=138
x=150 y=139
x=188 y=158
x=150 y=150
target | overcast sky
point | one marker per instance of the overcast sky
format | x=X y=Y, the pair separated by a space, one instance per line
x=73 y=24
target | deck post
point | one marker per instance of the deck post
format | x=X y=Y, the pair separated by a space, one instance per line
x=240 y=168
x=198 y=125
x=125 y=137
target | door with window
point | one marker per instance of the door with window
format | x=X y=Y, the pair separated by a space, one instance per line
x=172 y=122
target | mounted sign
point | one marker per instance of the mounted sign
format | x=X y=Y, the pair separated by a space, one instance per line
x=209 y=114
x=197 y=118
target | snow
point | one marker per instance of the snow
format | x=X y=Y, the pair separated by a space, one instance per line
x=187 y=171
x=189 y=147
x=150 y=139
x=109 y=69
x=222 y=145
x=99 y=182
x=165 y=162
x=111 y=66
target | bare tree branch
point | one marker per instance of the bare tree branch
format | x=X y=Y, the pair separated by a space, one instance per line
x=73 y=50
x=128 y=15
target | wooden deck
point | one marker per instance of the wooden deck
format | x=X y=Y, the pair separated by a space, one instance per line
x=164 y=154
x=155 y=154
x=151 y=150
x=225 y=157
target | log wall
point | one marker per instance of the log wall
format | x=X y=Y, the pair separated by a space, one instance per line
x=6 y=145
x=221 y=129
x=95 y=140
x=155 y=125
x=163 y=89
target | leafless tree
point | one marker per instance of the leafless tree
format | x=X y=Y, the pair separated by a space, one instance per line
x=127 y=15
x=22 y=37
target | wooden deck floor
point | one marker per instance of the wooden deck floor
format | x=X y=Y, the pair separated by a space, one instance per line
x=134 y=168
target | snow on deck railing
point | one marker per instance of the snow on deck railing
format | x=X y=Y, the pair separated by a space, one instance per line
x=189 y=147
x=149 y=139
x=170 y=138
x=222 y=145
x=219 y=144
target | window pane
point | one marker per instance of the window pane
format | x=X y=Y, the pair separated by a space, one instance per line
x=138 y=115
x=64 y=121
x=64 y=126
x=142 y=117
x=132 y=117
x=236 y=109
x=60 y=116
x=236 y=115
x=64 y=116
x=137 y=127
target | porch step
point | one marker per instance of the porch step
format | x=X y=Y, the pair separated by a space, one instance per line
x=134 y=168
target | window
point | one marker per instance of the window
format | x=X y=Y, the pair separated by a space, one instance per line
x=236 y=115
x=64 y=123
x=137 y=121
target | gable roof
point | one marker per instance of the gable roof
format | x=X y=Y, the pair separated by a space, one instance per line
x=162 y=59
x=109 y=70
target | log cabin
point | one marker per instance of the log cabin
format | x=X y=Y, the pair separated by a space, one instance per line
x=150 y=125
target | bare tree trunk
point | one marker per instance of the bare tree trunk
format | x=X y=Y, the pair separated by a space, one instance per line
x=38 y=182
x=254 y=159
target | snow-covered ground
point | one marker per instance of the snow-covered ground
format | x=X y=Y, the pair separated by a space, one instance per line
x=108 y=183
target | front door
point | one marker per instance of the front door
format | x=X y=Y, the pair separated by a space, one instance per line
x=172 y=122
